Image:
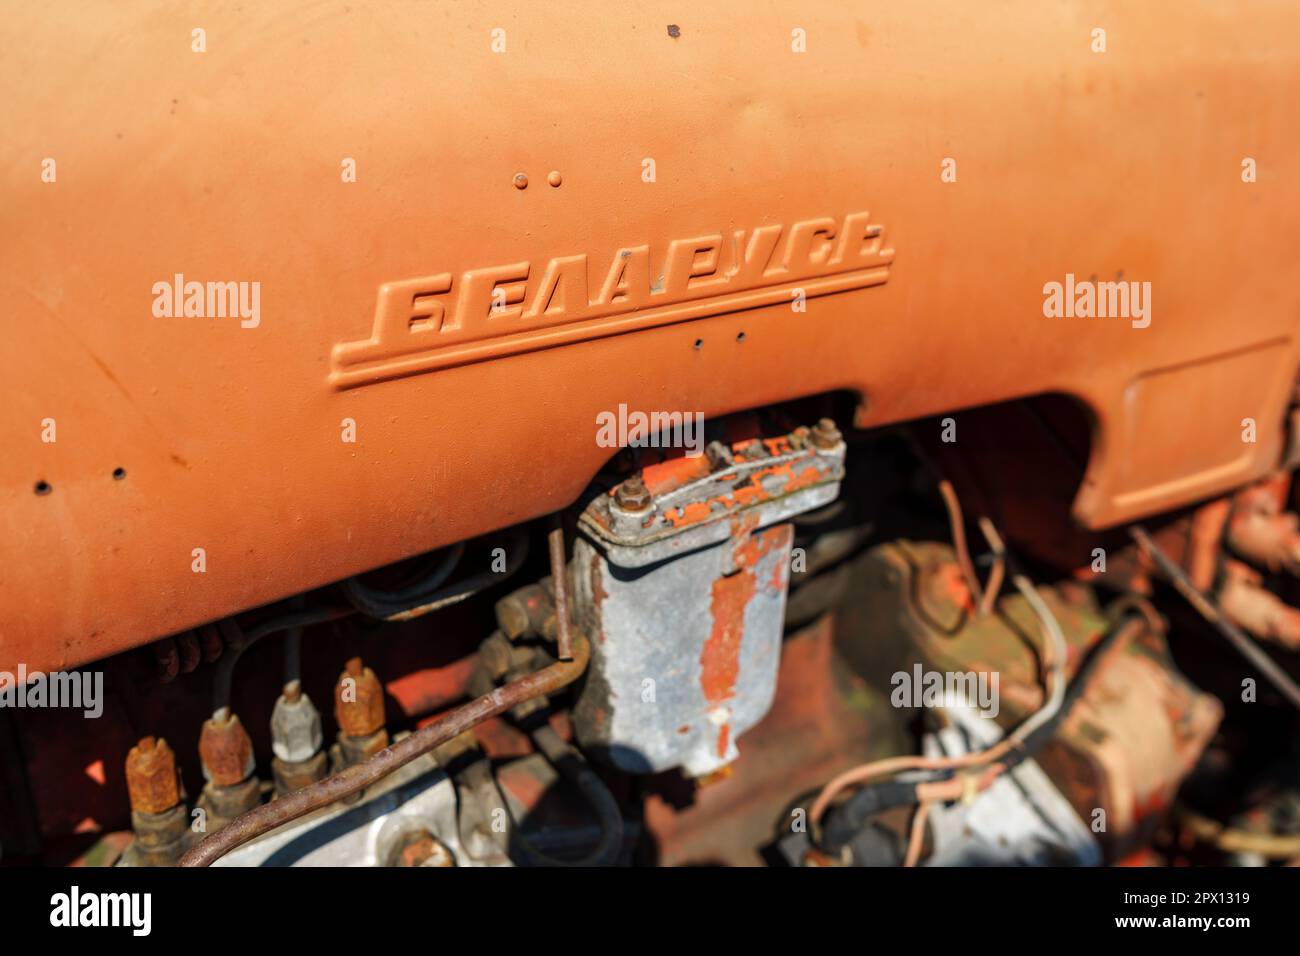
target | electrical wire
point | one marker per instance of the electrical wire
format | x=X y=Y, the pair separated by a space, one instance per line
x=1053 y=654
x=983 y=596
x=958 y=530
x=1055 y=658
x=916 y=839
x=967 y=775
x=993 y=586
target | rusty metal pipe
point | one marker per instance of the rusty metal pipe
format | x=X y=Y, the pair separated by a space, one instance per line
x=267 y=817
x=1234 y=635
x=560 y=578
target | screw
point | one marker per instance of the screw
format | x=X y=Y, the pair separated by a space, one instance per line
x=633 y=495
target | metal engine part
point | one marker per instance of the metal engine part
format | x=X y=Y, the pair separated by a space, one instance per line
x=681 y=577
x=1127 y=743
x=416 y=803
x=1023 y=819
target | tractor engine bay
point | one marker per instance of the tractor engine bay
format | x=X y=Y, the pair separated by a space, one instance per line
x=808 y=645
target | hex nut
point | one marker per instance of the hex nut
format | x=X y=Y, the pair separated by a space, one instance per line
x=358 y=700
x=825 y=434
x=225 y=751
x=295 y=729
x=152 y=781
x=633 y=495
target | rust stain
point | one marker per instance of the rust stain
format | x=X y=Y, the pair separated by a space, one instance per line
x=781 y=537
x=598 y=592
x=751 y=492
x=720 y=659
x=754 y=547
x=225 y=750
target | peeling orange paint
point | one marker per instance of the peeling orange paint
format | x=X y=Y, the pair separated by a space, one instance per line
x=720 y=659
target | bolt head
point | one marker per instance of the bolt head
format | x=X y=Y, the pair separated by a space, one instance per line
x=633 y=495
x=825 y=434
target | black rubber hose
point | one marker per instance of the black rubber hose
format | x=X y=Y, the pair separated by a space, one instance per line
x=237 y=641
x=380 y=605
x=369 y=601
x=478 y=776
x=377 y=602
x=848 y=819
x=569 y=762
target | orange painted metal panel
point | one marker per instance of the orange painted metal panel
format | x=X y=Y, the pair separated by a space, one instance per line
x=227 y=166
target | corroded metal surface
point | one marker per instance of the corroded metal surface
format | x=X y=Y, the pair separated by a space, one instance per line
x=151 y=777
x=686 y=600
